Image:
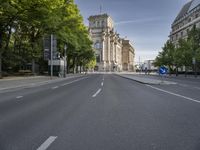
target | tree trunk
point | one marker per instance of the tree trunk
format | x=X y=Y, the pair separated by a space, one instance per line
x=74 y=65
x=68 y=64
x=1 y=65
x=77 y=68
x=0 y=54
x=80 y=68
x=176 y=71
x=185 y=71
x=33 y=66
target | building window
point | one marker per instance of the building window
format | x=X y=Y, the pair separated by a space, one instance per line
x=188 y=30
x=182 y=34
x=97 y=45
x=98 y=58
x=102 y=23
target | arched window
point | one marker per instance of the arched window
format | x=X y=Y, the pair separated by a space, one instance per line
x=97 y=45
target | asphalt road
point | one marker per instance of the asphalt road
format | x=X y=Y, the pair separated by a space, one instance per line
x=100 y=112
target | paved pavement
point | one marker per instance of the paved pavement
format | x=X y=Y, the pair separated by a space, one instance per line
x=23 y=82
x=145 y=80
x=101 y=112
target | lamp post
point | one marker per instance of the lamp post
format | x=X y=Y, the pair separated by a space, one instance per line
x=194 y=63
x=65 y=64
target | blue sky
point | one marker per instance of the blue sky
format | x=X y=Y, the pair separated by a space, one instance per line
x=147 y=23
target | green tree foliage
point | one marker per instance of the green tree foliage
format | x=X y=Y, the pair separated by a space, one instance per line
x=183 y=54
x=23 y=24
x=166 y=56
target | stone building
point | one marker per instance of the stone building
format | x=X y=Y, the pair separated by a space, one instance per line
x=127 y=56
x=112 y=52
x=188 y=17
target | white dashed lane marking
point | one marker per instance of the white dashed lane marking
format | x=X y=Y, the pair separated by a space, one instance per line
x=99 y=90
x=47 y=143
x=55 y=87
x=18 y=97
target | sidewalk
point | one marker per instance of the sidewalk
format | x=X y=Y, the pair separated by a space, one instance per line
x=144 y=80
x=22 y=82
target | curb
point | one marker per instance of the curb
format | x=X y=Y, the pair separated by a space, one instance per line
x=160 y=83
x=137 y=80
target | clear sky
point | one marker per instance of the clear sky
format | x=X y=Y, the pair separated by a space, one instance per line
x=147 y=23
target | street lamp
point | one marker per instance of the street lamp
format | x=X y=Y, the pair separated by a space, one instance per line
x=65 y=64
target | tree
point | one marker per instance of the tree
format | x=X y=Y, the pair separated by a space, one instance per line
x=194 y=40
x=184 y=54
x=166 y=56
x=23 y=24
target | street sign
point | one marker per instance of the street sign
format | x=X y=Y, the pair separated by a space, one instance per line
x=47 y=47
x=163 y=70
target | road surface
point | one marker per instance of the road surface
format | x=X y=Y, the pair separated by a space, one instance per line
x=101 y=112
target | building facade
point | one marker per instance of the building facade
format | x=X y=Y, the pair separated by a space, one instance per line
x=188 y=17
x=112 y=52
x=127 y=56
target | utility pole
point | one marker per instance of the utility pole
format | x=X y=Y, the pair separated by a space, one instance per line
x=100 y=9
x=195 y=67
x=51 y=56
x=65 y=61
x=140 y=68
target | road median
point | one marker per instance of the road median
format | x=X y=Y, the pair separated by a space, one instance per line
x=144 y=80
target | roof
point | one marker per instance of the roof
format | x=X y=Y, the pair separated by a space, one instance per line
x=184 y=10
x=194 y=4
x=187 y=8
x=99 y=16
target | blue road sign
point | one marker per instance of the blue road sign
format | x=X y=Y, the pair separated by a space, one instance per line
x=163 y=70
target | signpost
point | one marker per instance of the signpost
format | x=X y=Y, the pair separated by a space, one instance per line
x=162 y=70
x=50 y=50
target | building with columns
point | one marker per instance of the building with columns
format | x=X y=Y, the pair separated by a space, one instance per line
x=112 y=52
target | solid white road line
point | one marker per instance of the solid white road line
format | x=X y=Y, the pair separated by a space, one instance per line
x=178 y=95
x=99 y=90
x=18 y=97
x=55 y=87
x=198 y=88
x=47 y=143
x=73 y=81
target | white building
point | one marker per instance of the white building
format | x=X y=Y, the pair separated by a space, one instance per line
x=188 y=17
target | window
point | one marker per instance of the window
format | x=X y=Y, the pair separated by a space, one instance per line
x=188 y=30
x=102 y=23
x=97 y=45
x=98 y=58
x=182 y=34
